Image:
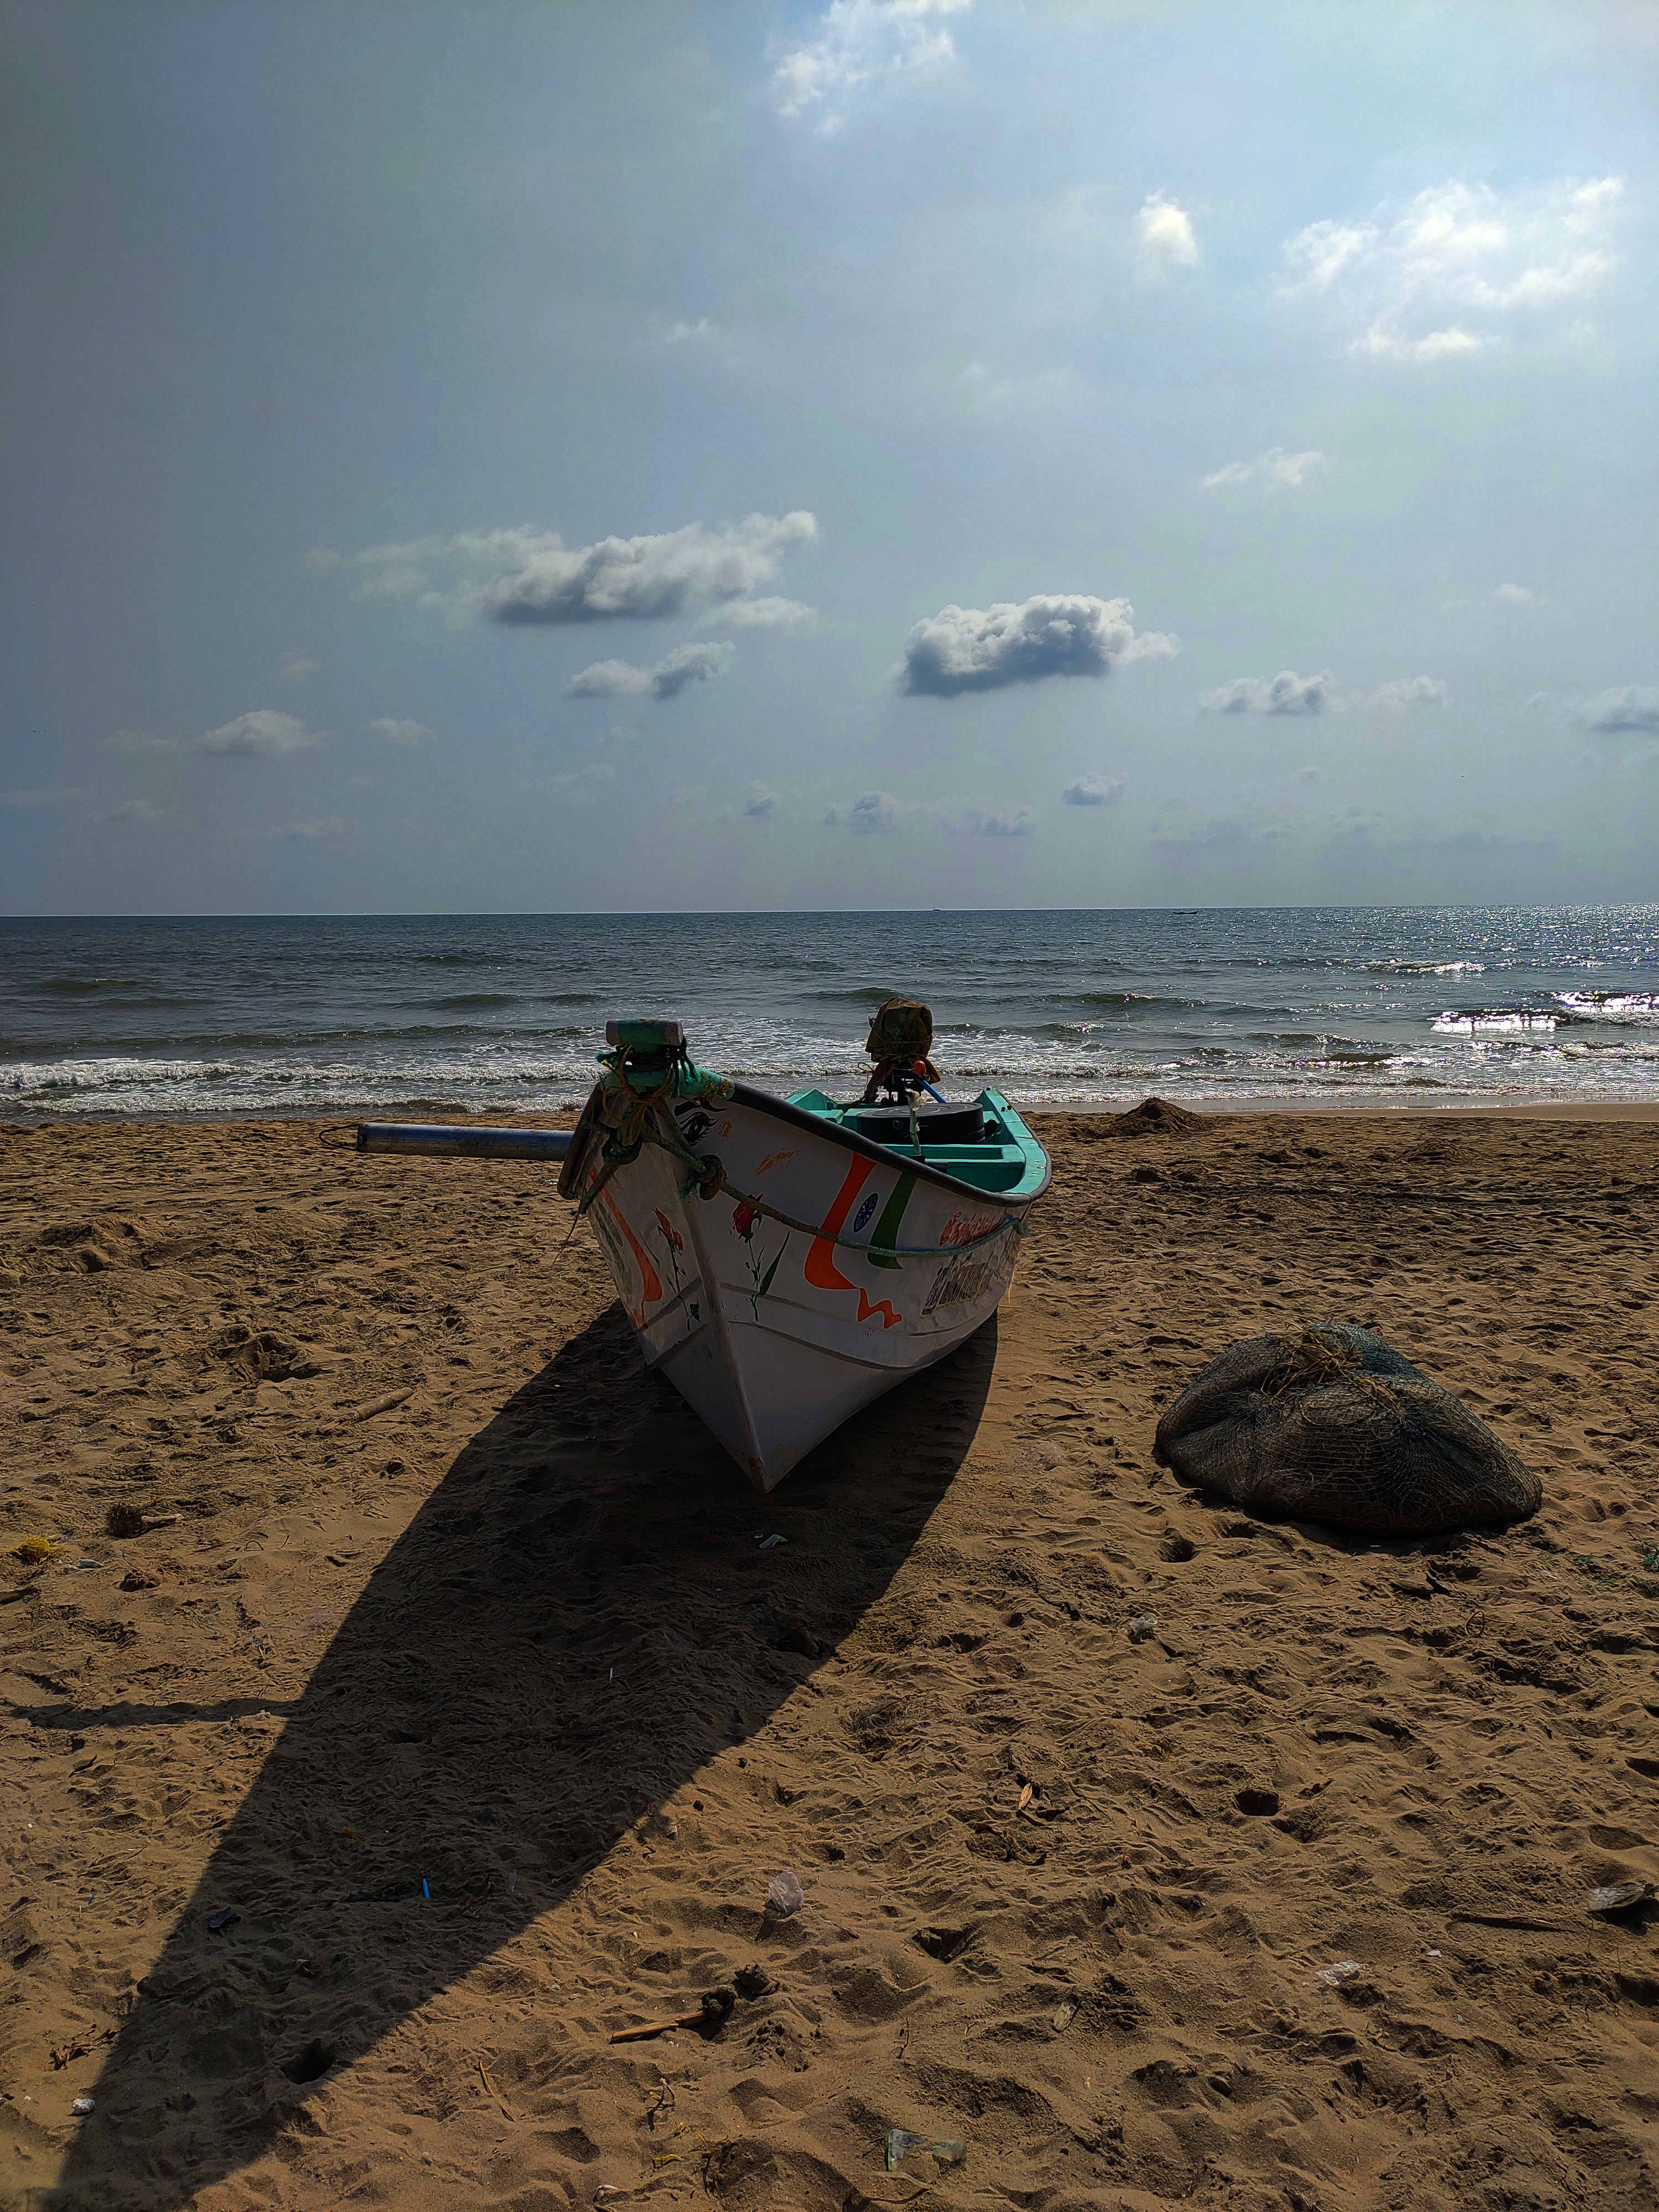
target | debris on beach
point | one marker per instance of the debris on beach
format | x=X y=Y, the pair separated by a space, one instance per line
x=784 y=1894
x=1617 y=1896
x=1334 y=1426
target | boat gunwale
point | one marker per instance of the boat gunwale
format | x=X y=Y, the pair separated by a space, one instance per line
x=803 y=1117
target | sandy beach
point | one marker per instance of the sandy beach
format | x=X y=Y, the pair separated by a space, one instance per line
x=450 y=1665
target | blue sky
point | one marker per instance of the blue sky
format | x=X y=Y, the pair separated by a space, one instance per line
x=899 y=453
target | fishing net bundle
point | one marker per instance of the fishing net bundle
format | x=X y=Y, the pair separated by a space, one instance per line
x=1334 y=1426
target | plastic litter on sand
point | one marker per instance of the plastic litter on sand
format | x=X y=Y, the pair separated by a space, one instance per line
x=82 y=2105
x=1143 y=1625
x=1339 y=1971
x=785 y=1894
x=1617 y=1895
x=945 y=2149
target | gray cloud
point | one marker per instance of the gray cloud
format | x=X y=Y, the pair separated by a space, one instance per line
x=400 y=733
x=986 y=822
x=1401 y=691
x=294 y=666
x=531 y=576
x=1096 y=790
x=665 y=679
x=1055 y=634
x=321 y=830
x=759 y=807
x=869 y=814
x=36 y=798
x=1287 y=693
x=133 y=809
x=1629 y=709
x=264 y=733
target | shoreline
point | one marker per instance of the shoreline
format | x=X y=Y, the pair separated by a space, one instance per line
x=1252 y=1110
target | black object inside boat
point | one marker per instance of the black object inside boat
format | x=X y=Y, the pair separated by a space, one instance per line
x=936 y=1125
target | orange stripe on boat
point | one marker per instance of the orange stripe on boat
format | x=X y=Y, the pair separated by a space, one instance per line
x=650 y=1281
x=867 y=1312
x=820 y=1269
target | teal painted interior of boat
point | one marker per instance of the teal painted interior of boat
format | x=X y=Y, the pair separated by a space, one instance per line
x=1008 y=1160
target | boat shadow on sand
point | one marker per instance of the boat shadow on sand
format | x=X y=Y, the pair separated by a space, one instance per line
x=579 y=1617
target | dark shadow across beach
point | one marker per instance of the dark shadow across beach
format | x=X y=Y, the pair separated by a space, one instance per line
x=578 y=1619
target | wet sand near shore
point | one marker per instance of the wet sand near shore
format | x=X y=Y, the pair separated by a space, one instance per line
x=449 y=1663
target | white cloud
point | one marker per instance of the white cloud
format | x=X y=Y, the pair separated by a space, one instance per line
x=665 y=679
x=400 y=733
x=685 y=333
x=1096 y=790
x=1462 y=269
x=1163 y=237
x=1516 y=595
x=133 y=741
x=1629 y=709
x=264 y=733
x=1401 y=692
x=862 y=43
x=1055 y=634
x=133 y=809
x=36 y=798
x=321 y=830
x=996 y=821
x=1276 y=468
x=1287 y=693
x=293 y=666
x=760 y=614
x=760 y=806
x=873 y=812
x=528 y=576
x=578 y=786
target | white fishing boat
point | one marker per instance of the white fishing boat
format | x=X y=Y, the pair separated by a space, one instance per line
x=785 y=1261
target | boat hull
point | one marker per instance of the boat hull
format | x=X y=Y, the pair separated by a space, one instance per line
x=775 y=1335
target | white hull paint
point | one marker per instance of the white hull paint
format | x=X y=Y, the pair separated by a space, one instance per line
x=773 y=1336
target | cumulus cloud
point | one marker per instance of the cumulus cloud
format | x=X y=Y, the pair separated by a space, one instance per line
x=1096 y=790
x=1401 y=691
x=1001 y=822
x=665 y=679
x=761 y=805
x=1280 y=470
x=294 y=665
x=1461 y=269
x=1163 y=237
x=531 y=577
x=1287 y=693
x=862 y=44
x=264 y=734
x=133 y=809
x=871 y=814
x=400 y=733
x=1055 y=634
x=1628 y=710
x=1516 y=595
x=760 y=614
x=578 y=786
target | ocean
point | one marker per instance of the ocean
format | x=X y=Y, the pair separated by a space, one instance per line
x=381 y=1015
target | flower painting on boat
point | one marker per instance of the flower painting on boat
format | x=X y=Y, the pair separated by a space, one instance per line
x=675 y=1246
x=743 y=1217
